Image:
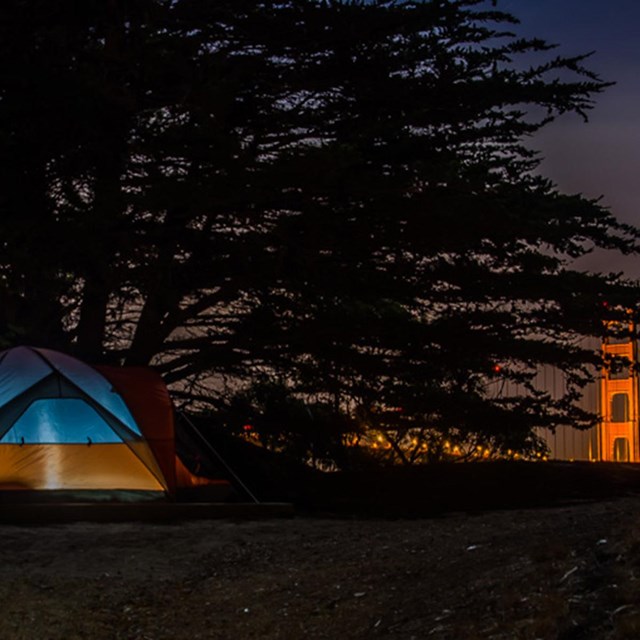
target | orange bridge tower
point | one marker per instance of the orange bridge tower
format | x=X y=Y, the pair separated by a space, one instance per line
x=618 y=431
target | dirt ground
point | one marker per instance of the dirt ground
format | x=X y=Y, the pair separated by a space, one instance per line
x=567 y=572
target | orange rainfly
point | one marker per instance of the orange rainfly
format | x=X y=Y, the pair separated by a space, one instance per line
x=148 y=399
x=618 y=430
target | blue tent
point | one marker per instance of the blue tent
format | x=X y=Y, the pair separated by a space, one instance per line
x=63 y=426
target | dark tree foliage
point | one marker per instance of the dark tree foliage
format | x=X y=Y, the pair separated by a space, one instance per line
x=270 y=414
x=336 y=195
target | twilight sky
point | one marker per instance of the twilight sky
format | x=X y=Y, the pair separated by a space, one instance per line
x=602 y=157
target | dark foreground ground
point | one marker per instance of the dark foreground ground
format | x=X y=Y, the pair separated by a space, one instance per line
x=566 y=571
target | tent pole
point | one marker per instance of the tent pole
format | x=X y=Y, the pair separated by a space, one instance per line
x=218 y=457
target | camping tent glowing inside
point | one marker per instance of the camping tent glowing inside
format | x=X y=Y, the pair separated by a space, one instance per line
x=67 y=426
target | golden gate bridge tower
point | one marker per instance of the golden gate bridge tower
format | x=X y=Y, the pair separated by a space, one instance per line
x=619 y=429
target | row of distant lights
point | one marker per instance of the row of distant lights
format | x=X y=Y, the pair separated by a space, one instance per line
x=455 y=450
x=380 y=442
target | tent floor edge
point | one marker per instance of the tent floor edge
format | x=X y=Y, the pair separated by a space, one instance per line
x=95 y=496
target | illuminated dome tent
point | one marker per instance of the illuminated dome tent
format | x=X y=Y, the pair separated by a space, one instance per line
x=67 y=426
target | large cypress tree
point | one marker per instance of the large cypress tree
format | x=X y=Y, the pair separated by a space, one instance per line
x=337 y=195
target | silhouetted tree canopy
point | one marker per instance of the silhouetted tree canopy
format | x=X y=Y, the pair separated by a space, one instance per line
x=335 y=196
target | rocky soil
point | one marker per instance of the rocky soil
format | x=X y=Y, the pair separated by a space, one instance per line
x=567 y=572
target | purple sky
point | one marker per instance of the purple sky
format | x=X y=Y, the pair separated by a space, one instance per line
x=602 y=157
